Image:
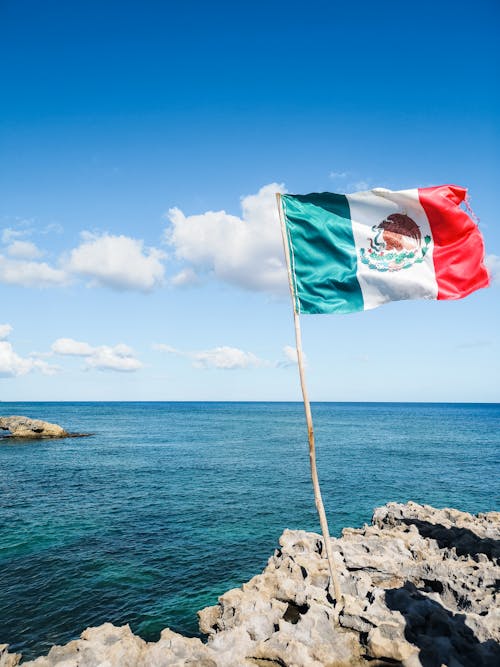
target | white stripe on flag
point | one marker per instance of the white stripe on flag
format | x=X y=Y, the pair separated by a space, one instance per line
x=416 y=282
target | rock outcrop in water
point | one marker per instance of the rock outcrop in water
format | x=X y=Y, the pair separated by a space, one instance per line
x=24 y=427
x=421 y=589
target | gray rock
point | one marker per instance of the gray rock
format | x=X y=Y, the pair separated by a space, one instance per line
x=387 y=641
x=24 y=427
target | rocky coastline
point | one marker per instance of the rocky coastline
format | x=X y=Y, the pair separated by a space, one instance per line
x=420 y=586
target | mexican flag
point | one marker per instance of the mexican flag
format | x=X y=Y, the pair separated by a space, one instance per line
x=358 y=251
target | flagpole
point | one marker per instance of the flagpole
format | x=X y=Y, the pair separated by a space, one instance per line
x=310 y=429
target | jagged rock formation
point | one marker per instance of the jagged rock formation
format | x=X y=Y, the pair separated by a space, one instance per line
x=24 y=427
x=8 y=659
x=421 y=589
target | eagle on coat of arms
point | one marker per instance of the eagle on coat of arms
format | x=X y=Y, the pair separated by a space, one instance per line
x=396 y=243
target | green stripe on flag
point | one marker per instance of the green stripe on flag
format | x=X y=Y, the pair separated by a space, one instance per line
x=322 y=253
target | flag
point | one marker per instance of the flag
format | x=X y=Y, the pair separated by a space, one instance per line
x=355 y=252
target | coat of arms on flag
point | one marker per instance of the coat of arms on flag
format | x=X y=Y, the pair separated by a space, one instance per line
x=395 y=243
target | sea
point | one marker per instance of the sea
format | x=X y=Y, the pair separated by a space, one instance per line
x=165 y=506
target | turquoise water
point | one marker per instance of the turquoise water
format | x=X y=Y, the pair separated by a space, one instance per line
x=168 y=505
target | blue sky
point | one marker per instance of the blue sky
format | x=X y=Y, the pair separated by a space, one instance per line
x=117 y=113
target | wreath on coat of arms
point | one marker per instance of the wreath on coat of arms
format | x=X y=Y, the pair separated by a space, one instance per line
x=396 y=243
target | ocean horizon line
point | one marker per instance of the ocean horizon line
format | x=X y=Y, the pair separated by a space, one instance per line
x=249 y=402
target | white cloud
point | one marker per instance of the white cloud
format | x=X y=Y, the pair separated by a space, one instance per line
x=52 y=228
x=45 y=368
x=117 y=358
x=30 y=274
x=291 y=358
x=162 y=347
x=223 y=357
x=245 y=251
x=119 y=262
x=40 y=355
x=185 y=278
x=9 y=234
x=23 y=250
x=493 y=265
x=20 y=268
x=226 y=358
x=290 y=354
x=103 y=357
x=72 y=347
x=13 y=365
x=5 y=330
x=346 y=181
x=359 y=186
x=27 y=227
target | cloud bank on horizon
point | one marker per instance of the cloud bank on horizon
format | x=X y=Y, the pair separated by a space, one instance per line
x=122 y=358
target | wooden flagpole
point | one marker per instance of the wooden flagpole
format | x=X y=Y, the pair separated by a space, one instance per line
x=310 y=430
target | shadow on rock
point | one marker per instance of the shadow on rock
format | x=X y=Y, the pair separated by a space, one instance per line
x=442 y=637
x=464 y=540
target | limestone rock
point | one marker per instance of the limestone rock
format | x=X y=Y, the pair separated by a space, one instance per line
x=24 y=427
x=8 y=659
x=387 y=641
x=174 y=650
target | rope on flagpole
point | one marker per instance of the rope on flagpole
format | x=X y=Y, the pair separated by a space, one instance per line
x=310 y=429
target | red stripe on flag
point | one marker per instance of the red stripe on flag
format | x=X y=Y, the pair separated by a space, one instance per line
x=458 y=244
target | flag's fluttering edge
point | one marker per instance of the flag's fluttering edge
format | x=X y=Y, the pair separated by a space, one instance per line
x=355 y=252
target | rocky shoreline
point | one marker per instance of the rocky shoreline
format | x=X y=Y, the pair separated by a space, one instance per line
x=420 y=585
